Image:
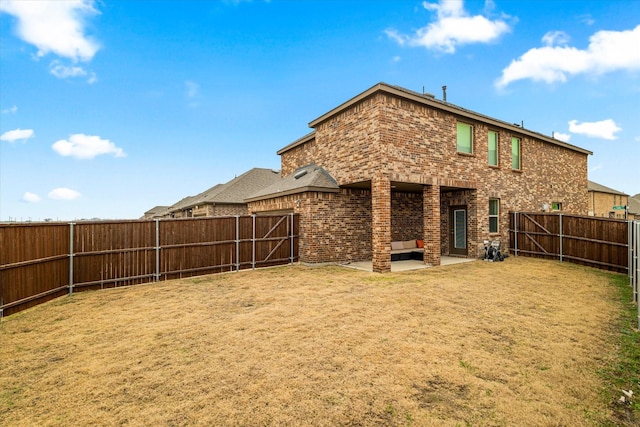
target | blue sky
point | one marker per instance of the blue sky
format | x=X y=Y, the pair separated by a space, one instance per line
x=109 y=108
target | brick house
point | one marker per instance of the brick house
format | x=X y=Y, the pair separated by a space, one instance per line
x=602 y=201
x=220 y=200
x=393 y=165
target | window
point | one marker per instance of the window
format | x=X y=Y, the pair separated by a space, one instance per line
x=494 y=213
x=556 y=206
x=493 y=148
x=515 y=154
x=465 y=138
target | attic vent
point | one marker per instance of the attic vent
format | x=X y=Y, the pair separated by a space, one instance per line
x=300 y=174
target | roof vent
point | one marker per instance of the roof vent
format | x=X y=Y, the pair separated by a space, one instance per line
x=300 y=174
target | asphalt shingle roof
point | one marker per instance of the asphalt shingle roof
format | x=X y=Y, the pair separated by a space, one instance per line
x=634 y=204
x=306 y=178
x=594 y=186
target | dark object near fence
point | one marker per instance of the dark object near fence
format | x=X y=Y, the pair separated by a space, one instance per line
x=39 y=262
x=493 y=251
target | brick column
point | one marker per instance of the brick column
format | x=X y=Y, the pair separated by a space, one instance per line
x=431 y=226
x=381 y=224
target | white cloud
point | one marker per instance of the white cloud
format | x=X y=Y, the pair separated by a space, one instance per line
x=553 y=38
x=63 y=193
x=607 y=51
x=30 y=197
x=83 y=146
x=11 y=110
x=454 y=27
x=565 y=137
x=605 y=129
x=56 y=27
x=17 y=135
x=596 y=168
x=64 y=71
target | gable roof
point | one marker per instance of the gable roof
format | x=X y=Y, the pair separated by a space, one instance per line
x=599 y=188
x=232 y=192
x=431 y=101
x=306 y=178
x=634 y=204
x=156 y=211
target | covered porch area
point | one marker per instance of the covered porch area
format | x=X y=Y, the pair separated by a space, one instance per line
x=440 y=213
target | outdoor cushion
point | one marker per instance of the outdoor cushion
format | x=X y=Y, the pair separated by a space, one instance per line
x=396 y=245
x=409 y=244
x=420 y=243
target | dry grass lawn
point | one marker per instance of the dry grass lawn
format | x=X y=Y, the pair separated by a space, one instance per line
x=481 y=344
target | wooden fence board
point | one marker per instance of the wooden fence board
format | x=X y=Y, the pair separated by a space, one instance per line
x=39 y=262
x=597 y=242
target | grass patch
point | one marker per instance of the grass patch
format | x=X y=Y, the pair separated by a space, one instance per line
x=623 y=370
x=523 y=342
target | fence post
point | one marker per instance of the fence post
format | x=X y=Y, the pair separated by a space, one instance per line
x=636 y=262
x=253 y=242
x=560 y=218
x=630 y=242
x=71 y=224
x=157 y=273
x=237 y=243
x=291 y=238
x=515 y=233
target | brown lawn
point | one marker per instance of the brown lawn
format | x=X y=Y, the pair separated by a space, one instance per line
x=481 y=344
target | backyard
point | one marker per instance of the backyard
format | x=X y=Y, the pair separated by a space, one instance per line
x=522 y=342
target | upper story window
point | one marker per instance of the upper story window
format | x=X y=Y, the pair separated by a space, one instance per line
x=516 y=158
x=493 y=148
x=465 y=138
x=556 y=206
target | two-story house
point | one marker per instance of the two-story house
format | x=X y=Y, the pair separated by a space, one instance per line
x=391 y=164
x=606 y=202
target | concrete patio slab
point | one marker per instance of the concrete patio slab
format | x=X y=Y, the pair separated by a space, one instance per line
x=398 y=266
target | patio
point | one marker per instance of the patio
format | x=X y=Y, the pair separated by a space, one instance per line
x=397 y=266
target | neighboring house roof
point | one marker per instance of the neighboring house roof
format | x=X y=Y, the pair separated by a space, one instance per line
x=634 y=204
x=155 y=212
x=599 y=188
x=431 y=101
x=232 y=192
x=182 y=203
x=306 y=178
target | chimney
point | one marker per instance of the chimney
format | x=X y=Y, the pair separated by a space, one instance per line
x=444 y=93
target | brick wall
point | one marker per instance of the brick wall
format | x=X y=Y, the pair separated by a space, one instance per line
x=406 y=216
x=301 y=155
x=209 y=210
x=601 y=204
x=334 y=227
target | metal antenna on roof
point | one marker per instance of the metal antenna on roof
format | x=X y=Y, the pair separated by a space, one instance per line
x=444 y=93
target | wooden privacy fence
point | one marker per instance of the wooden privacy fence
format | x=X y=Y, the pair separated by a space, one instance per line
x=597 y=242
x=42 y=261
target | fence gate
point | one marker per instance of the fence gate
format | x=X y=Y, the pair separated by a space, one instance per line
x=596 y=242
